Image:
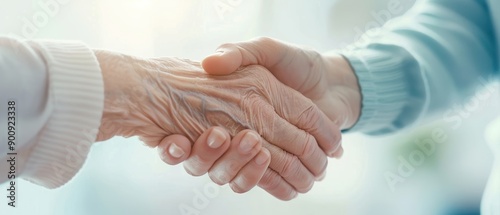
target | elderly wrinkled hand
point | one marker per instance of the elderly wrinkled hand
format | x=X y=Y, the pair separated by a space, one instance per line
x=327 y=80
x=154 y=98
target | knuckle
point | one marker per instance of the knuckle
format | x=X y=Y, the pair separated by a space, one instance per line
x=258 y=113
x=308 y=147
x=258 y=75
x=309 y=116
x=266 y=41
x=291 y=165
x=270 y=181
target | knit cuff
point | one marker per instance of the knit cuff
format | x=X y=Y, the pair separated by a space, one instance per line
x=77 y=94
x=385 y=74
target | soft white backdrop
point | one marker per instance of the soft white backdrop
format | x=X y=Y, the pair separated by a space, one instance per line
x=121 y=176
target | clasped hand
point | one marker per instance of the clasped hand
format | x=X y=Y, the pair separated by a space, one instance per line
x=157 y=99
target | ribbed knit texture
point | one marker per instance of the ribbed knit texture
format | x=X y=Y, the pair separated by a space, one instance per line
x=383 y=77
x=77 y=93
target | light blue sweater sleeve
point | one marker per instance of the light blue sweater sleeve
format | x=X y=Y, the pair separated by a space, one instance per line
x=434 y=56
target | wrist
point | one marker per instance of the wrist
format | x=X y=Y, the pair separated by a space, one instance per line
x=344 y=83
x=121 y=83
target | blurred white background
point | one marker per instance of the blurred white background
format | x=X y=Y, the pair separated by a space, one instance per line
x=122 y=176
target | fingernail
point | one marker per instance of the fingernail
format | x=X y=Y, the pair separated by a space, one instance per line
x=220 y=176
x=248 y=142
x=236 y=184
x=175 y=151
x=322 y=176
x=339 y=153
x=261 y=159
x=216 y=138
x=335 y=154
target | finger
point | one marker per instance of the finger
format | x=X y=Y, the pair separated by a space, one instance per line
x=291 y=168
x=321 y=177
x=339 y=153
x=274 y=184
x=272 y=53
x=262 y=51
x=302 y=113
x=212 y=144
x=244 y=146
x=251 y=173
x=290 y=145
x=174 y=149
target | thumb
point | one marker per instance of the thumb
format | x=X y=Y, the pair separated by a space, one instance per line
x=229 y=57
x=224 y=61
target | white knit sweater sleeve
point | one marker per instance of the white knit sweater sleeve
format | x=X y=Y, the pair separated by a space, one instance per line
x=58 y=96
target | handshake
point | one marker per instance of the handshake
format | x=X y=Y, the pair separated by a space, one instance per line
x=260 y=112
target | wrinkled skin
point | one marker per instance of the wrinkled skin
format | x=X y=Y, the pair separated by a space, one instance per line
x=326 y=79
x=153 y=98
